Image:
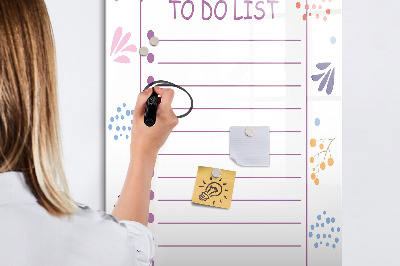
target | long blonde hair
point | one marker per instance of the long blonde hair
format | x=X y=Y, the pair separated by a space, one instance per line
x=29 y=120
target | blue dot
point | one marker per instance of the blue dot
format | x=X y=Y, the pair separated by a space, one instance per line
x=120 y=135
x=328 y=220
x=324 y=235
x=320 y=242
x=117 y=128
x=127 y=112
x=333 y=39
x=124 y=128
x=338 y=229
x=333 y=220
x=337 y=240
x=329 y=236
x=317 y=123
x=131 y=121
x=317 y=224
x=310 y=234
x=334 y=246
x=119 y=109
x=312 y=227
x=316 y=245
x=319 y=217
x=327 y=244
x=322 y=225
x=131 y=112
x=127 y=136
x=124 y=104
x=333 y=229
x=116 y=117
x=109 y=126
x=115 y=137
x=129 y=128
x=112 y=119
x=122 y=117
x=318 y=236
x=324 y=212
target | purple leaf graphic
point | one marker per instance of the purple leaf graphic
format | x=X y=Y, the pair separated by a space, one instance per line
x=123 y=42
x=122 y=59
x=317 y=77
x=331 y=82
x=323 y=66
x=323 y=82
x=117 y=36
x=130 y=48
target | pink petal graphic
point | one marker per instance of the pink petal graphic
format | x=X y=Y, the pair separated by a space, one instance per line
x=130 y=48
x=117 y=36
x=122 y=59
x=123 y=42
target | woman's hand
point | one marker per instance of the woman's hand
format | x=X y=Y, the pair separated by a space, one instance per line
x=148 y=140
x=133 y=203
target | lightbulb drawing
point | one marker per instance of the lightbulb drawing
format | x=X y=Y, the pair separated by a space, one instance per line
x=212 y=190
x=214 y=187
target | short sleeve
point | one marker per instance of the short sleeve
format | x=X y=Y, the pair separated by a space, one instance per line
x=140 y=237
x=143 y=241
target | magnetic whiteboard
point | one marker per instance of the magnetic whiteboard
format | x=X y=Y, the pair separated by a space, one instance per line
x=246 y=63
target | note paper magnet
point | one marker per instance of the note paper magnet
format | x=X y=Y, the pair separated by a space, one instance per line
x=214 y=187
x=249 y=146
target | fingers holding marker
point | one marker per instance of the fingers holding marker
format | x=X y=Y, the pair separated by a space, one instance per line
x=167 y=95
x=141 y=103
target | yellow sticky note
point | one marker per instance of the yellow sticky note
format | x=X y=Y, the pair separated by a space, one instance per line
x=214 y=191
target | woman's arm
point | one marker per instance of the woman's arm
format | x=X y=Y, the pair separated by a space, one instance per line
x=133 y=203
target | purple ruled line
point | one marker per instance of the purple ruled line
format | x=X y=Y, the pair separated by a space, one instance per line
x=227 y=131
x=229 y=63
x=235 y=223
x=239 y=108
x=237 y=200
x=243 y=177
x=218 y=154
x=229 y=246
x=216 y=40
x=261 y=86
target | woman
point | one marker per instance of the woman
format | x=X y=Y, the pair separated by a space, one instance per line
x=40 y=224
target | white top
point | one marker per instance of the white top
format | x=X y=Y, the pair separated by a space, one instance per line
x=31 y=236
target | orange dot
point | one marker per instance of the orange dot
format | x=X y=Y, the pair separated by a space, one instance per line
x=314 y=6
x=313 y=169
x=311 y=159
x=317 y=15
x=328 y=11
x=330 y=161
x=325 y=18
x=309 y=14
x=313 y=176
x=307 y=7
x=316 y=181
x=321 y=146
x=322 y=165
x=304 y=17
x=313 y=142
x=320 y=6
x=298 y=5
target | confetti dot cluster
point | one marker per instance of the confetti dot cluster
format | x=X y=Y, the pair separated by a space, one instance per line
x=325 y=231
x=121 y=123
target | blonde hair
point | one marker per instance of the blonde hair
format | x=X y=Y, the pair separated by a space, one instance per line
x=29 y=121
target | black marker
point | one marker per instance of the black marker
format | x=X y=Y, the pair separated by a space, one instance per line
x=151 y=109
x=152 y=102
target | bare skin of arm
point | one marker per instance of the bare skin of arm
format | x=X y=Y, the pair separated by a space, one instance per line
x=133 y=203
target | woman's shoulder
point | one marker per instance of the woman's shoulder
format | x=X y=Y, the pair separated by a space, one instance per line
x=138 y=236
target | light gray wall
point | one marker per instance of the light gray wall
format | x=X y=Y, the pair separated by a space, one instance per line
x=371 y=179
x=371 y=126
x=79 y=32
